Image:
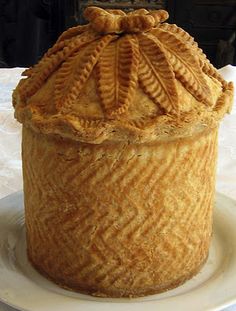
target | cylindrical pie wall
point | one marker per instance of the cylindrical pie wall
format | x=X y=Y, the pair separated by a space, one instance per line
x=119 y=219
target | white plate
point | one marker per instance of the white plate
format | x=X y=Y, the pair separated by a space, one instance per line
x=23 y=288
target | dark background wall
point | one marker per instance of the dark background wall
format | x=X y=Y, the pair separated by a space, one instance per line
x=29 y=27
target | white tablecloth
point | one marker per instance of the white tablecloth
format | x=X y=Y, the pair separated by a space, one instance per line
x=10 y=144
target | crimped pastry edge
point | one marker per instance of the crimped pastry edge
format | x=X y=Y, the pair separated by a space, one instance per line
x=164 y=127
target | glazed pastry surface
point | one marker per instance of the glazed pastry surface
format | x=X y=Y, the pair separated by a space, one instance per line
x=123 y=77
x=120 y=121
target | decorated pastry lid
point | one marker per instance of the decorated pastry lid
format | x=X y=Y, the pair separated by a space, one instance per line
x=122 y=77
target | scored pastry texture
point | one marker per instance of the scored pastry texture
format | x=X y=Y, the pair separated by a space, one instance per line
x=120 y=121
x=126 y=57
x=51 y=61
x=205 y=64
x=185 y=66
x=67 y=85
x=117 y=75
x=156 y=76
x=143 y=228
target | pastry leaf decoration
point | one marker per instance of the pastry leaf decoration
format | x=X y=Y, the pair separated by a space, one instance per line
x=210 y=70
x=188 y=40
x=73 y=74
x=126 y=52
x=117 y=75
x=51 y=61
x=185 y=65
x=180 y=33
x=72 y=32
x=155 y=74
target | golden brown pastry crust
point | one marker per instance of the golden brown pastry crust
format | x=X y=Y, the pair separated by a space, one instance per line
x=143 y=82
x=120 y=121
x=119 y=219
x=110 y=293
x=117 y=21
